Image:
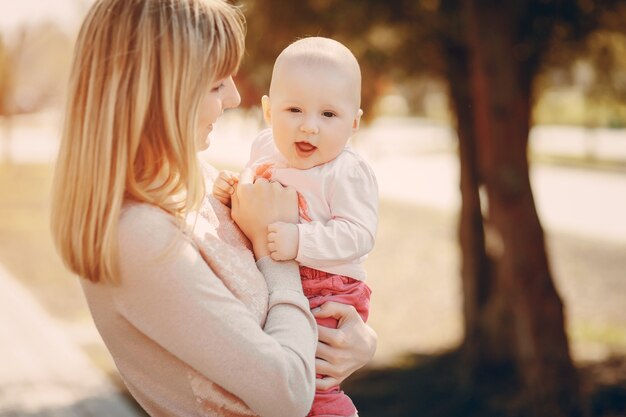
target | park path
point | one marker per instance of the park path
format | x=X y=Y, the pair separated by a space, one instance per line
x=43 y=373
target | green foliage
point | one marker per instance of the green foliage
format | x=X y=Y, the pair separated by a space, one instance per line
x=402 y=41
x=589 y=87
x=379 y=34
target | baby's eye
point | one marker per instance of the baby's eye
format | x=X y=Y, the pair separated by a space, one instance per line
x=328 y=114
x=293 y=110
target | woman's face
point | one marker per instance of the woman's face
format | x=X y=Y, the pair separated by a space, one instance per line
x=222 y=95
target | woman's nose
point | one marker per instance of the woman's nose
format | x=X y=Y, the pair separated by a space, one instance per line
x=231 y=98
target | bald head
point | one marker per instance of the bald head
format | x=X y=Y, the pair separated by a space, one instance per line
x=313 y=52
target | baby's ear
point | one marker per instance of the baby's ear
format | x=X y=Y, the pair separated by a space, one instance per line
x=267 y=113
x=357 y=121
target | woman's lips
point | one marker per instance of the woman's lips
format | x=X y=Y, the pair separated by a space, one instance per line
x=304 y=149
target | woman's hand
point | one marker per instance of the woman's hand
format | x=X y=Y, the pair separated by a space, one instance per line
x=256 y=204
x=341 y=351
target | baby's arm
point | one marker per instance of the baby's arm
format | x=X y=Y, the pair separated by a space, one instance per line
x=350 y=233
x=282 y=241
x=223 y=187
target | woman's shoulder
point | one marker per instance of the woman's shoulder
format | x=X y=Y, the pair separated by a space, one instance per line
x=144 y=227
x=136 y=215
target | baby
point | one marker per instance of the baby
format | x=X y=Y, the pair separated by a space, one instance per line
x=313 y=109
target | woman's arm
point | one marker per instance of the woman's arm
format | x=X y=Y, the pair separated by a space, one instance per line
x=344 y=350
x=171 y=296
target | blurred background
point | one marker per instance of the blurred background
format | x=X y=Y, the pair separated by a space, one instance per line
x=466 y=104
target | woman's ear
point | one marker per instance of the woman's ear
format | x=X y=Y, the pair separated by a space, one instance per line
x=357 y=121
x=267 y=113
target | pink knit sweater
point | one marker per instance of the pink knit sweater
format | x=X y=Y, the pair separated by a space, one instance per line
x=195 y=329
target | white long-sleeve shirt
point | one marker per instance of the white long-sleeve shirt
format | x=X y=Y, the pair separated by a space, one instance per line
x=342 y=201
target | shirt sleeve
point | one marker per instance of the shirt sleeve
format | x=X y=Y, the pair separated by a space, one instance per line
x=262 y=148
x=350 y=233
x=170 y=294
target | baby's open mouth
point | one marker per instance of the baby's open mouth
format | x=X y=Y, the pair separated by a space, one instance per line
x=305 y=148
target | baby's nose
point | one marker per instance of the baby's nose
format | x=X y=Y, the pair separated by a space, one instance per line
x=309 y=126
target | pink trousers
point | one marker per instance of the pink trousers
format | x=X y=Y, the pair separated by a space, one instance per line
x=320 y=287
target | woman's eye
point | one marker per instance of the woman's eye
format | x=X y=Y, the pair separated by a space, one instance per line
x=328 y=114
x=217 y=88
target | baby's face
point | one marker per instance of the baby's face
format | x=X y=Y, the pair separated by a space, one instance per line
x=313 y=111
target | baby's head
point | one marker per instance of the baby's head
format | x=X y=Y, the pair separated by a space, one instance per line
x=314 y=101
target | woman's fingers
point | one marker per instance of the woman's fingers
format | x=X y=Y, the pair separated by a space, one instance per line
x=325 y=368
x=326 y=383
x=343 y=313
x=328 y=360
x=332 y=337
x=343 y=350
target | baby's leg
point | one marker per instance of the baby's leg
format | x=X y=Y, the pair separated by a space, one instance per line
x=321 y=287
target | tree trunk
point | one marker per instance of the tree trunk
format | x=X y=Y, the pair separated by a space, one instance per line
x=514 y=316
x=487 y=349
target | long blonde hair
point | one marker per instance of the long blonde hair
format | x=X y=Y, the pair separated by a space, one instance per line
x=140 y=70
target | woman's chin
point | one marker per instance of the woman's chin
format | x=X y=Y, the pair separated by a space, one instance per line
x=203 y=144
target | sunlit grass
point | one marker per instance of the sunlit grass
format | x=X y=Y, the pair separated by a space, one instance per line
x=611 y=337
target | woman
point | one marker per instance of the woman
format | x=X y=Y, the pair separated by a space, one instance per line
x=193 y=326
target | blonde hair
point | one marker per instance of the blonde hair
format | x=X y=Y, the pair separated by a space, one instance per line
x=131 y=118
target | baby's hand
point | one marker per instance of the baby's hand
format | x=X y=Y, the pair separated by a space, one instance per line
x=282 y=241
x=224 y=186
